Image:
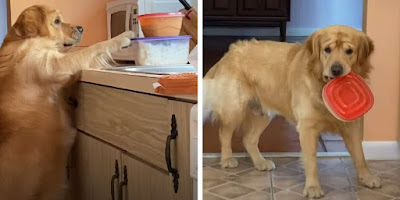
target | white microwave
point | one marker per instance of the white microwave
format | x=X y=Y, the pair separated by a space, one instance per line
x=122 y=16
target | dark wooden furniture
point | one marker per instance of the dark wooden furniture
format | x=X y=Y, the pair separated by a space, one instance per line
x=273 y=13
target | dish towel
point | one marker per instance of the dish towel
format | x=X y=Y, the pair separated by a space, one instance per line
x=185 y=83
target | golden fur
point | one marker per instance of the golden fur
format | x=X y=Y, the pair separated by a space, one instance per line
x=257 y=79
x=35 y=130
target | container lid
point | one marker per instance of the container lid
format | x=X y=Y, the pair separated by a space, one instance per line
x=175 y=14
x=163 y=38
x=348 y=97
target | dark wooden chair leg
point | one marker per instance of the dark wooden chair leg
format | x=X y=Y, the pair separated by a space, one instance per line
x=283 y=31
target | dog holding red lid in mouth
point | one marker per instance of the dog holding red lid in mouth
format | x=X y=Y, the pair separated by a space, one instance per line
x=257 y=79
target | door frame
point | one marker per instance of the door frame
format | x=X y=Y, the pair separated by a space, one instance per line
x=364 y=17
x=8 y=15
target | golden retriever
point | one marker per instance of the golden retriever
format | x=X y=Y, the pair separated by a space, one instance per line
x=257 y=79
x=36 y=133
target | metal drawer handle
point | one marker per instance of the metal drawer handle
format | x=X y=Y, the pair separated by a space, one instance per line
x=173 y=171
x=113 y=178
x=123 y=183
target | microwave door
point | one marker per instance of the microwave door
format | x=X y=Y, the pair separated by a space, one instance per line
x=118 y=23
x=128 y=18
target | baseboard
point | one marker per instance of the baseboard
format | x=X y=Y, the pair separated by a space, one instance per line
x=382 y=150
x=280 y=154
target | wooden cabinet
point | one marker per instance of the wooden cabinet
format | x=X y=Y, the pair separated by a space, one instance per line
x=247 y=13
x=92 y=167
x=126 y=132
x=270 y=8
x=181 y=149
x=144 y=181
x=220 y=7
x=135 y=122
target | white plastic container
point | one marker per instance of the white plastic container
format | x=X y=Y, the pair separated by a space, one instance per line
x=169 y=50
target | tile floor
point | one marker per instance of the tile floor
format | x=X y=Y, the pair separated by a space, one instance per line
x=286 y=182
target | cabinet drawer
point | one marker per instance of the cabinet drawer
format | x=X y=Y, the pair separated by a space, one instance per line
x=137 y=123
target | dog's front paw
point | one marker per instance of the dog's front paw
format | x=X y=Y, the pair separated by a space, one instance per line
x=263 y=165
x=124 y=39
x=370 y=181
x=230 y=162
x=313 y=192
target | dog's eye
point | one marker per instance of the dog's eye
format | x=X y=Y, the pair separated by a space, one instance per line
x=57 y=21
x=349 y=51
x=327 y=50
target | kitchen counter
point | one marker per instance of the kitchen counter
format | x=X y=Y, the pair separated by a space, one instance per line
x=138 y=82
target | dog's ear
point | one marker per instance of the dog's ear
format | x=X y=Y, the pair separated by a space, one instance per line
x=313 y=44
x=30 y=23
x=26 y=29
x=365 y=48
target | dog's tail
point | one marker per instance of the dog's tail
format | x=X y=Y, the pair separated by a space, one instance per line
x=207 y=100
x=209 y=94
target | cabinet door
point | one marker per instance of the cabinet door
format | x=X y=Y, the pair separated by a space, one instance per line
x=92 y=166
x=219 y=7
x=144 y=181
x=181 y=150
x=269 y=8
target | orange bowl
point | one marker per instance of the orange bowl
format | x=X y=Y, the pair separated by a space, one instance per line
x=161 y=24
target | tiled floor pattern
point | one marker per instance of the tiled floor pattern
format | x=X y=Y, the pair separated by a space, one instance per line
x=332 y=143
x=286 y=182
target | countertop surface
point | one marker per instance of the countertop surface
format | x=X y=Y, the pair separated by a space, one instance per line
x=137 y=82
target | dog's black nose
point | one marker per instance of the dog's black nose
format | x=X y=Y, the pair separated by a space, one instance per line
x=337 y=69
x=80 y=29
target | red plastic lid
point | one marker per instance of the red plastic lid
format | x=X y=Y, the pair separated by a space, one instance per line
x=348 y=97
x=158 y=15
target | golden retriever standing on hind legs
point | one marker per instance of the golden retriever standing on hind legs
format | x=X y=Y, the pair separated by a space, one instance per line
x=257 y=79
x=36 y=133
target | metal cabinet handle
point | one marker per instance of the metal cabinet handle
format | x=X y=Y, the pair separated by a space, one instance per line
x=113 y=178
x=173 y=171
x=123 y=183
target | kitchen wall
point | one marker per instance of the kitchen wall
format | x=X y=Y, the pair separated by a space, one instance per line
x=91 y=14
x=382 y=123
x=3 y=20
x=310 y=15
x=306 y=17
